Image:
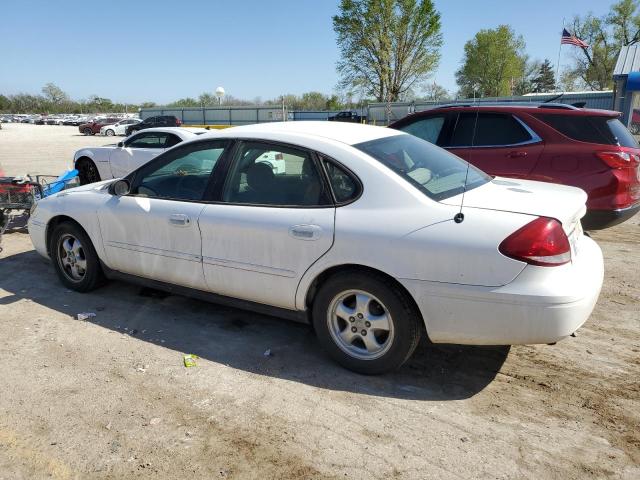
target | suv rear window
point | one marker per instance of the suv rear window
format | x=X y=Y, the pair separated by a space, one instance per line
x=592 y=129
x=493 y=130
x=434 y=171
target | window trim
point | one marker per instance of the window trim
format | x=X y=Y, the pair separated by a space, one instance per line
x=234 y=157
x=535 y=138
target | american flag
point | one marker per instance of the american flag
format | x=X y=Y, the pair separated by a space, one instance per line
x=569 y=39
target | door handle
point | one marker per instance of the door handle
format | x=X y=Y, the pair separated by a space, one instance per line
x=179 y=220
x=517 y=154
x=305 y=232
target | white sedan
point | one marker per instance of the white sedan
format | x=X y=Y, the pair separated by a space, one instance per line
x=118 y=128
x=364 y=234
x=117 y=160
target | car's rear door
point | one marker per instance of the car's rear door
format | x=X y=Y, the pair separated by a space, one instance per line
x=268 y=225
x=498 y=143
x=153 y=232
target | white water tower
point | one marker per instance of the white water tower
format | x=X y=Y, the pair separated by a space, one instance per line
x=219 y=94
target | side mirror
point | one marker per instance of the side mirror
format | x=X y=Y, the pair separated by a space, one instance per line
x=120 y=144
x=120 y=188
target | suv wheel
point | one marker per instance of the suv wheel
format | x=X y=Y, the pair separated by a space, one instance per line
x=74 y=258
x=87 y=131
x=365 y=322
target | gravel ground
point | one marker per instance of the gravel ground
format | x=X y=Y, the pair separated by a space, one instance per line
x=110 y=397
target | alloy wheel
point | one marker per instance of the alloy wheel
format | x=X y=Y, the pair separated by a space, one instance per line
x=71 y=257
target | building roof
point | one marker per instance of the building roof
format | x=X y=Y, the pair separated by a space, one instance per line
x=628 y=60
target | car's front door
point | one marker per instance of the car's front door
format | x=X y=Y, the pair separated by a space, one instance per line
x=498 y=143
x=269 y=227
x=153 y=231
x=138 y=150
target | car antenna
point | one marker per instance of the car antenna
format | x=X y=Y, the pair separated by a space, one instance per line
x=459 y=217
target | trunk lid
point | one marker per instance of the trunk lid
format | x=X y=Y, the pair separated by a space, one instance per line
x=565 y=204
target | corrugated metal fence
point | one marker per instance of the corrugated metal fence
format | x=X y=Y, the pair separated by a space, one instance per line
x=375 y=112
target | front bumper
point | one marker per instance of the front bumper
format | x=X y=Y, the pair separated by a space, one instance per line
x=601 y=219
x=38 y=234
x=542 y=305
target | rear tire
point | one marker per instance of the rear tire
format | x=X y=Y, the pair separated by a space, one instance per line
x=87 y=131
x=87 y=171
x=110 y=133
x=74 y=258
x=365 y=322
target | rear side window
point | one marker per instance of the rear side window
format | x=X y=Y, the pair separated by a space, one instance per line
x=344 y=186
x=493 y=130
x=595 y=129
x=426 y=128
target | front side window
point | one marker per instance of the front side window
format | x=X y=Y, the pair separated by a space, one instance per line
x=426 y=128
x=147 y=140
x=491 y=130
x=434 y=171
x=181 y=174
x=264 y=174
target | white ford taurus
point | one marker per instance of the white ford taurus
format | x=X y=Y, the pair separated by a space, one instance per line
x=361 y=232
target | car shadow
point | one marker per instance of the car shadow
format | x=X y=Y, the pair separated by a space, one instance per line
x=247 y=341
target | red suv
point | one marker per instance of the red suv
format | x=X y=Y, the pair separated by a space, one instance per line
x=590 y=149
x=94 y=126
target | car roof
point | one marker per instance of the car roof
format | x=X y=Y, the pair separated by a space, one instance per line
x=546 y=108
x=348 y=133
x=183 y=132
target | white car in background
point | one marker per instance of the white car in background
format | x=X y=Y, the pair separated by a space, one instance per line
x=118 y=128
x=363 y=234
x=117 y=160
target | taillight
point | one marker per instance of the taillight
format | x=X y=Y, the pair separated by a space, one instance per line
x=620 y=158
x=541 y=242
x=178 y=122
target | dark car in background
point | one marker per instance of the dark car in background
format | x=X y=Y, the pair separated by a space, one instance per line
x=350 y=116
x=93 y=127
x=154 y=122
x=585 y=148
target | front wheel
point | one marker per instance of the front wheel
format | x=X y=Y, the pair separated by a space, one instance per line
x=87 y=131
x=634 y=128
x=74 y=258
x=87 y=172
x=365 y=322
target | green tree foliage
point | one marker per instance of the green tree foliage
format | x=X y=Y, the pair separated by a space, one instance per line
x=545 y=81
x=605 y=35
x=54 y=94
x=493 y=62
x=387 y=46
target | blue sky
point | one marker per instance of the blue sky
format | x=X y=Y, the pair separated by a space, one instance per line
x=165 y=50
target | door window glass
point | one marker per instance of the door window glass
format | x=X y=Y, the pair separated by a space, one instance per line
x=183 y=174
x=344 y=186
x=263 y=174
x=426 y=128
x=147 y=140
x=493 y=129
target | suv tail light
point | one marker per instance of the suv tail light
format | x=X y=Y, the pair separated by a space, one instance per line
x=541 y=242
x=625 y=157
x=178 y=122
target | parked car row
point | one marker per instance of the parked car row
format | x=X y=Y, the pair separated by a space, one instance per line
x=373 y=235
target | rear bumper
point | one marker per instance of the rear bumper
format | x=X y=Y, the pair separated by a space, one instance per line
x=542 y=305
x=601 y=219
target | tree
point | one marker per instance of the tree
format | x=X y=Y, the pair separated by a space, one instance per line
x=625 y=21
x=387 y=46
x=185 y=102
x=545 y=81
x=54 y=94
x=435 y=92
x=493 y=61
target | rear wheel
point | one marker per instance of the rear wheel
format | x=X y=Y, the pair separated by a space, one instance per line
x=87 y=131
x=74 y=258
x=87 y=171
x=366 y=322
x=634 y=128
x=110 y=133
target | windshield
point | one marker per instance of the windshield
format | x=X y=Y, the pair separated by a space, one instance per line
x=434 y=171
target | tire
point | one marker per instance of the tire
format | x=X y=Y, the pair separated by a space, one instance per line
x=87 y=171
x=110 y=133
x=634 y=128
x=74 y=258
x=341 y=312
x=87 y=131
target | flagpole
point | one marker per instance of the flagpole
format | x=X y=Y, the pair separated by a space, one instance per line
x=558 y=63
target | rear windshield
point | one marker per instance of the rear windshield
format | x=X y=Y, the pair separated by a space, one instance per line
x=434 y=171
x=595 y=129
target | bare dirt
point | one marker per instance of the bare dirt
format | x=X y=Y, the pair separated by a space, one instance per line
x=110 y=397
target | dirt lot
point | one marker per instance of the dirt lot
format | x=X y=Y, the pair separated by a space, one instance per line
x=110 y=397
